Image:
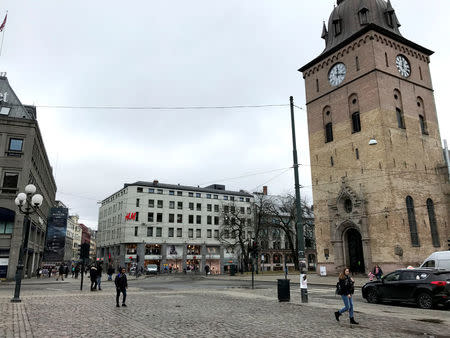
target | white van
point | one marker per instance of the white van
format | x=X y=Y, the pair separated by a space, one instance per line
x=438 y=260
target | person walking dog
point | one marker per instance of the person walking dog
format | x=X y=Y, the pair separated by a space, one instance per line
x=346 y=288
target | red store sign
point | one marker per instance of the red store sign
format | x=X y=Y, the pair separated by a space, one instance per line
x=130 y=216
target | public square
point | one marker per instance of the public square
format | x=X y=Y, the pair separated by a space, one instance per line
x=196 y=306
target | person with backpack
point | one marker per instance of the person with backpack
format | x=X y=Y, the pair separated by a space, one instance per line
x=346 y=288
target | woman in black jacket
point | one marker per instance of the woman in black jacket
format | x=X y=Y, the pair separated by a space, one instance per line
x=346 y=287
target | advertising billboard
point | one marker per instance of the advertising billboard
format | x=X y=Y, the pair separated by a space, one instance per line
x=56 y=235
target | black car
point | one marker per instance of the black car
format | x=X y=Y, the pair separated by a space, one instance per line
x=424 y=287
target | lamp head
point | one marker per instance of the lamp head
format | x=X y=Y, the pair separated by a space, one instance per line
x=373 y=142
x=30 y=189
x=36 y=200
x=22 y=197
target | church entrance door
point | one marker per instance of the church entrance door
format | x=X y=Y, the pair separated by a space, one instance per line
x=355 y=251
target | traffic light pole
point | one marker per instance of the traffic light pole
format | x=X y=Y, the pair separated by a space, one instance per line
x=82 y=274
x=300 y=235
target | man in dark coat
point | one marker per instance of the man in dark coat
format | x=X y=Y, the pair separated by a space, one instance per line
x=61 y=272
x=110 y=272
x=121 y=286
x=93 y=275
x=99 y=276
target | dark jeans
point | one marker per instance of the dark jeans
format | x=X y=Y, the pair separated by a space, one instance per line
x=93 y=284
x=124 y=292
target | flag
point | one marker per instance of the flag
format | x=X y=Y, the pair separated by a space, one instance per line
x=2 y=27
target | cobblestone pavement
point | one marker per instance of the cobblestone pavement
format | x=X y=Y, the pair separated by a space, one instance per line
x=233 y=312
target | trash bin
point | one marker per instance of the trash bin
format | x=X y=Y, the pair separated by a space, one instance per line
x=284 y=291
x=232 y=271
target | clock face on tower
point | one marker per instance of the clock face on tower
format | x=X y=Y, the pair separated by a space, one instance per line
x=337 y=74
x=403 y=66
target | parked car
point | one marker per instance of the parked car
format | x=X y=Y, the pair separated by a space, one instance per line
x=438 y=260
x=152 y=269
x=422 y=286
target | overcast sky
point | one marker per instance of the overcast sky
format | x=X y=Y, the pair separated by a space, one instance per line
x=180 y=53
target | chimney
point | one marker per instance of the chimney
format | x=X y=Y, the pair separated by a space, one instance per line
x=265 y=190
x=155 y=182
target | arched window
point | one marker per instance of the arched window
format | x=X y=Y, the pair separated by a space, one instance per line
x=363 y=16
x=412 y=221
x=328 y=124
x=433 y=223
x=422 y=117
x=353 y=104
x=399 y=109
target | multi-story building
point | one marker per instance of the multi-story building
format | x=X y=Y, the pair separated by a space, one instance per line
x=380 y=183
x=23 y=160
x=76 y=242
x=93 y=245
x=172 y=226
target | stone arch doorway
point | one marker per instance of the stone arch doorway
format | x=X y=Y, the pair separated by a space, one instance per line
x=355 y=251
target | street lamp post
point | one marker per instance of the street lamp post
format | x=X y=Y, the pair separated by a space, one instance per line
x=28 y=203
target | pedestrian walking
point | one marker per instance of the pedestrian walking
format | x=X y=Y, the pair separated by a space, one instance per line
x=346 y=288
x=93 y=275
x=50 y=268
x=99 y=276
x=61 y=272
x=66 y=270
x=110 y=272
x=377 y=272
x=121 y=287
x=77 y=271
x=73 y=270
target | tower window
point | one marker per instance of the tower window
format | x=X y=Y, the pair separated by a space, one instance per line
x=433 y=223
x=422 y=119
x=329 y=132
x=412 y=221
x=420 y=73
x=357 y=63
x=399 y=109
x=422 y=125
x=363 y=16
x=356 y=122
x=337 y=27
x=357 y=153
x=332 y=161
x=317 y=85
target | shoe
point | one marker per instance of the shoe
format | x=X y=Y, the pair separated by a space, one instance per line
x=124 y=304
x=117 y=305
x=99 y=289
x=337 y=315
x=352 y=321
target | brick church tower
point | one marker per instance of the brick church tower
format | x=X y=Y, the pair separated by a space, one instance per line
x=380 y=183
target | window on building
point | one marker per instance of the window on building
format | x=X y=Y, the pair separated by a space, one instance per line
x=412 y=221
x=137 y=202
x=179 y=193
x=332 y=161
x=179 y=218
x=158 y=232
x=151 y=203
x=208 y=196
x=328 y=132
x=242 y=210
x=179 y=205
x=137 y=216
x=433 y=223
x=422 y=116
x=190 y=194
x=249 y=210
x=364 y=16
x=179 y=232
x=216 y=197
x=399 y=109
x=400 y=118
x=171 y=218
x=15 y=144
x=171 y=232
x=317 y=85
x=159 y=217
x=198 y=195
x=226 y=234
x=149 y=231
x=357 y=153
x=216 y=220
x=160 y=204
x=191 y=206
x=216 y=208
x=208 y=219
x=209 y=233
x=5 y=110
x=172 y=193
x=198 y=233
x=136 y=229
x=150 y=217
x=10 y=181
x=422 y=125
x=216 y=234
x=159 y=191
x=199 y=207
x=198 y=219
x=209 y=207
x=249 y=222
x=337 y=25
x=420 y=73
x=225 y=198
x=151 y=190
x=356 y=122
x=191 y=219
x=171 y=204
x=140 y=189
x=191 y=233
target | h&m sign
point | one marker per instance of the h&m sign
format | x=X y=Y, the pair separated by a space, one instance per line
x=130 y=216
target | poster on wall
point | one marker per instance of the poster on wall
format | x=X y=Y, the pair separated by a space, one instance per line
x=56 y=235
x=174 y=252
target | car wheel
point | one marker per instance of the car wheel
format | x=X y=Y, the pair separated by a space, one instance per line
x=372 y=296
x=424 y=301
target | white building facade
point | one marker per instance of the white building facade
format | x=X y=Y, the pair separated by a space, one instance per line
x=175 y=227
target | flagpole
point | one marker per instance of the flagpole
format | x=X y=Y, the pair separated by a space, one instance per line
x=3 y=35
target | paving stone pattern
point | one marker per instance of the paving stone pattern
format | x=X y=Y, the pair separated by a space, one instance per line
x=189 y=313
